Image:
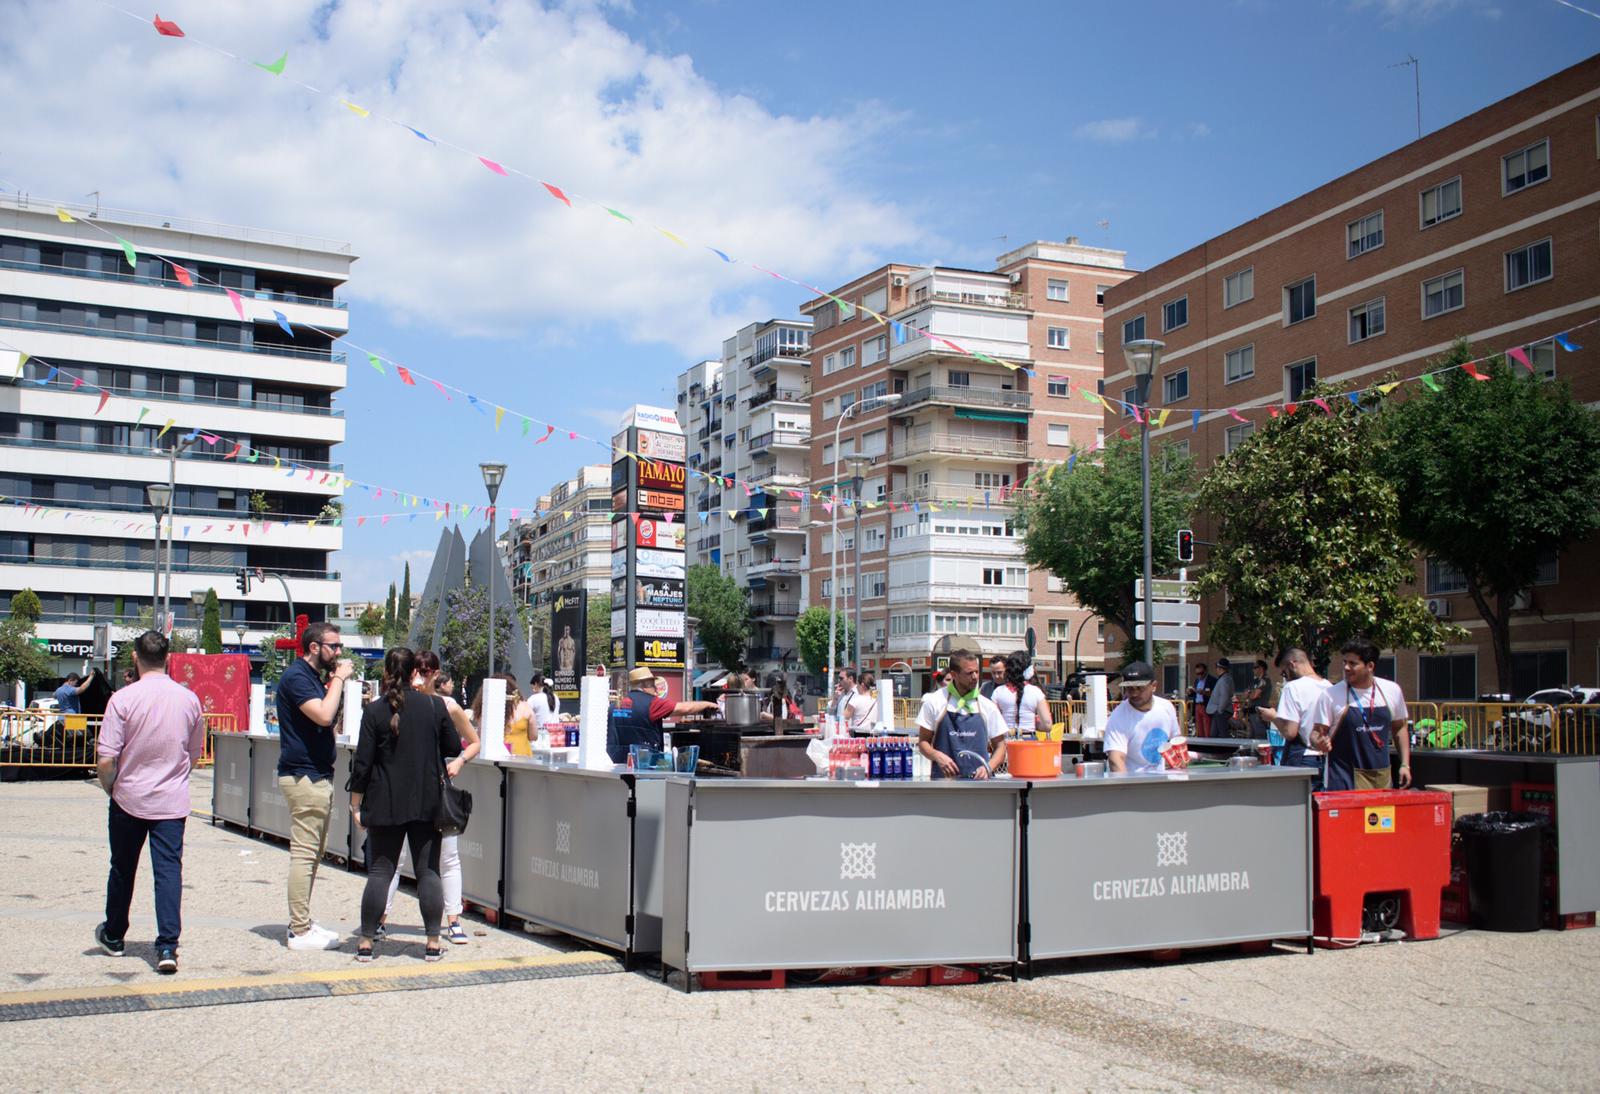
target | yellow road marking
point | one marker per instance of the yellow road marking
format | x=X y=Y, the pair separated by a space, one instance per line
x=349 y=979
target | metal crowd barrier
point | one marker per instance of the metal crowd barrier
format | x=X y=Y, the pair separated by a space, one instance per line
x=44 y=738
x=1537 y=729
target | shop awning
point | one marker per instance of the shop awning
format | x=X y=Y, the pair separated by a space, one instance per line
x=991 y=415
x=710 y=676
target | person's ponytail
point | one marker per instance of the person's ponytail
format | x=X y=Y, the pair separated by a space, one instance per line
x=399 y=664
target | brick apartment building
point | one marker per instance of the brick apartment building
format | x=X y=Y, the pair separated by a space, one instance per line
x=1485 y=229
x=964 y=430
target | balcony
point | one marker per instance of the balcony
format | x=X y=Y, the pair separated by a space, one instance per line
x=777 y=480
x=768 y=607
x=779 y=518
x=779 y=395
x=780 y=438
x=998 y=548
x=925 y=441
x=945 y=593
x=1012 y=301
x=192 y=512
x=943 y=395
x=65 y=385
x=129 y=278
x=777 y=567
x=137 y=566
x=708 y=542
x=756 y=654
x=173 y=340
x=969 y=496
x=215 y=455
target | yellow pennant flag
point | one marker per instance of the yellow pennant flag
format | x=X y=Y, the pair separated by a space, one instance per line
x=499 y=416
x=1386 y=388
x=65 y=217
x=164 y=429
x=1161 y=419
x=438 y=514
x=675 y=238
x=354 y=109
x=22 y=359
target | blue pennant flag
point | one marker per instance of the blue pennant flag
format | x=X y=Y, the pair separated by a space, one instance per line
x=1567 y=344
x=1195 y=421
x=283 y=321
x=473 y=399
x=720 y=254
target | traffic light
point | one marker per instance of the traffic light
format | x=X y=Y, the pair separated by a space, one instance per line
x=1185 y=545
x=241 y=580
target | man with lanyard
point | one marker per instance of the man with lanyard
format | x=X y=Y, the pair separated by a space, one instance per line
x=638 y=720
x=1141 y=725
x=1355 y=722
x=958 y=729
x=1296 y=712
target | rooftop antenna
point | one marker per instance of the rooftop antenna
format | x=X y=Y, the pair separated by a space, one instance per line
x=1416 y=72
x=96 y=195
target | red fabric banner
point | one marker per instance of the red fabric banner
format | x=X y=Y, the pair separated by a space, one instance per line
x=221 y=680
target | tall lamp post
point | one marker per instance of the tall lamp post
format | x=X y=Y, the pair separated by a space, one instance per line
x=857 y=462
x=160 y=497
x=1144 y=358
x=493 y=475
x=178 y=446
x=197 y=599
x=833 y=563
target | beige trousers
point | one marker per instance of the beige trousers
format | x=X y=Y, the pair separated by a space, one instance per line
x=309 y=805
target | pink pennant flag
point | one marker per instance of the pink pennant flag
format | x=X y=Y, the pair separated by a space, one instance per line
x=549 y=429
x=1521 y=358
x=555 y=192
x=1235 y=415
x=1272 y=411
x=360 y=521
x=104 y=395
x=794 y=508
x=572 y=436
x=442 y=391
x=183 y=276
x=827 y=507
x=796 y=494
x=405 y=375
x=236 y=300
x=667 y=518
x=1323 y=403
x=1472 y=370
x=491 y=165
x=77 y=382
x=747 y=493
x=209 y=438
x=385 y=519
x=234 y=451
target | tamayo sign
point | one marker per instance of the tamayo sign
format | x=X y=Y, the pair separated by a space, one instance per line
x=658 y=475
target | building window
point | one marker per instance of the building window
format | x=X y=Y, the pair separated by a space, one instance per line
x=1444 y=294
x=1548 y=570
x=1058 y=338
x=1237 y=435
x=994 y=575
x=1099 y=436
x=1175 y=451
x=960 y=379
x=847 y=357
x=1239 y=287
x=1057 y=385
x=1300 y=378
x=991 y=480
x=1442 y=202
x=1443 y=578
x=1366 y=320
x=1056 y=289
x=830 y=363
x=1175 y=314
x=1175 y=386
x=847 y=399
x=1529 y=265
x=830 y=409
x=1365 y=234
x=1300 y=301
x=1542 y=355
x=1100 y=294
x=874 y=350
x=1056 y=433
x=1099 y=341
x=875 y=391
x=1537 y=670
x=1056 y=630
x=1130 y=397
x=1133 y=329
x=1447 y=676
x=1239 y=364
x=1526 y=168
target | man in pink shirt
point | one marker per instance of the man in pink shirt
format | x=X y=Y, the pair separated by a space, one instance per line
x=151 y=738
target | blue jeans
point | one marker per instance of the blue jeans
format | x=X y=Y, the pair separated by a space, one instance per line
x=128 y=834
x=1306 y=758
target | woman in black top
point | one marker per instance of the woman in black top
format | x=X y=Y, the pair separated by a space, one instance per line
x=405 y=738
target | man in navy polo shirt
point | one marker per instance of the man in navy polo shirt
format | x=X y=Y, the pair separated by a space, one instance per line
x=307 y=709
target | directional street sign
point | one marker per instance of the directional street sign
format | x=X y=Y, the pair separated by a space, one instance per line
x=1163 y=589
x=1169 y=611
x=1169 y=633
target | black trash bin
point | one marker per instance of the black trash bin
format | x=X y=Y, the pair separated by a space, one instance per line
x=1504 y=859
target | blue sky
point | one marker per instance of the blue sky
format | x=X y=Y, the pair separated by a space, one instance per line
x=819 y=140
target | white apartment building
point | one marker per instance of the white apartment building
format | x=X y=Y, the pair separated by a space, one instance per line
x=566 y=544
x=70 y=302
x=747 y=417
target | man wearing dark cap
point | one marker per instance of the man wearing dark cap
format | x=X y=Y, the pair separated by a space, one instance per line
x=1220 y=706
x=1141 y=725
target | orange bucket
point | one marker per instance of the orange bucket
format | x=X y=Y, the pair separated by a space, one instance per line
x=1033 y=759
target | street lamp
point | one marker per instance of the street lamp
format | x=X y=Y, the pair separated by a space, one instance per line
x=239 y=629
x=833 y=564
x=160 y=497
x=197 y=598
x=1144 y=358
x=857 y=462
x=493 y=475
x=178 y=445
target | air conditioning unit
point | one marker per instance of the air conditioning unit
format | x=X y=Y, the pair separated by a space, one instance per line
x=1016 y=278
x=1439 y=607
x=898 y=281
x=1523 y=601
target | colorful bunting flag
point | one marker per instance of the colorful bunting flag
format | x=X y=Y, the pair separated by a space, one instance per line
x=1521 y=358
x=555 y=192
x=549 y=429
x=1567 y=344
x=64 y=217
x=1235 y=415
x=1323 y=403
x=491 y=165
x=164 y=429
x=183 y=276
x=720 y=254
x=1194 y=422
x=104 y=397
x=376 y=362
x=128 y=252
x=236 y=300
x=499 y=415
x=167 y=28
x=1472 y=370
x=359 y=112
x=283 y=321
x=421 y=134
x=276 y=67
x=405 y=375
x=441 y=389
x=140 y=420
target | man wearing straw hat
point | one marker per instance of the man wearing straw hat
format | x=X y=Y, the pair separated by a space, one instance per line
x=637 y=720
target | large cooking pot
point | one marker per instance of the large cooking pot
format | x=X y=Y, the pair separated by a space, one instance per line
x=742 y=708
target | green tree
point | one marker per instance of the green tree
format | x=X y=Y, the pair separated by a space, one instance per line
x=25 y=607
x=721 y=613
x=1086 y=526
x=211 y=624
x=1492 y=475
x=391 y=632
x=1308 y=549
x=598 y=645
x=274 y=660
x=20 y=659
x=811 y=636
x=402 y=607
x=464 y=642
x=119 y=608
x=370 y=621
x=180 y=641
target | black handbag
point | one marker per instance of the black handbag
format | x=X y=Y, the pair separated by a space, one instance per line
x=454 y=808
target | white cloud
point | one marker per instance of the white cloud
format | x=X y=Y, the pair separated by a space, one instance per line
x=1114 y=130
x=1424 y=10
x=367 y=578
x=166 y=125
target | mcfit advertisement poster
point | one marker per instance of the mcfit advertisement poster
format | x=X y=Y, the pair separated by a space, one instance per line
x=569 y=624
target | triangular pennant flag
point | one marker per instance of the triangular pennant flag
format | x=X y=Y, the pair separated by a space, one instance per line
x=405 y=375
x=1384 y=389
x=1290 y=408
x=1161 y=421
x=555 y=192
x=1235 y=415
x=499 y=415
x=359 y=112
x=549 y=429
x=183 y=276
x=128 y=252
x=441 y=390
x=283 y=321
x=1567 y=344
x=376 y=362
x=1194 y=421
x=276 y=67
x=473 y=399
x=679 y=240
x=164 y=429
x=1516 y=354
x=1323 y=403
x=1472 y=370
x=421 y=134
x=234 y=451
x=1355 y=397
x=236 y=300
x=167 y=28
x=65 y=217
x=491 y=165
x=1072 y=461
x=720 y=254
x=1272 y=411
x=140 y=420
x=1124 y=434
x=104 y=396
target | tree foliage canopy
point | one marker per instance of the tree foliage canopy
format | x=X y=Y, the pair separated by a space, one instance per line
x=25 y=607
x=20 y=659
x=811 y=636
x=211 y=624
x=721 y=613
x=1308 y=549
x=1492 y=475
x=1086 y=525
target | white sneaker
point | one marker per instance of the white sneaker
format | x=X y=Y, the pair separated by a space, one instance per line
x=310 y=940
x=317 y=928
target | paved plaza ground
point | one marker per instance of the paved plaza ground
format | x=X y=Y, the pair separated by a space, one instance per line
x=1472 y=1011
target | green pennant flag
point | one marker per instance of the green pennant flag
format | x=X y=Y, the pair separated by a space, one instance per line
x=128 y=252
x=619 y=216
x=276 y=67
x=253 y=457
x=524 y=427
x=376 y=362
x=1429 y=382
x=142 y=412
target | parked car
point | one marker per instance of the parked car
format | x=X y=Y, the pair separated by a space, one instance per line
x=1527 y=726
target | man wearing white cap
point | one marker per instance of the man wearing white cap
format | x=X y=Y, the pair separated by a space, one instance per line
x=1141 y=725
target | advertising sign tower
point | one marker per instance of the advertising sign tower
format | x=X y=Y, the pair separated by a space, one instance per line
x=648 y=592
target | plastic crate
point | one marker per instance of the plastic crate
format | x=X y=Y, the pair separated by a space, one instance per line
x=733 y=981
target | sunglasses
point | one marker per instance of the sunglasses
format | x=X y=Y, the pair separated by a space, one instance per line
x=331 y=645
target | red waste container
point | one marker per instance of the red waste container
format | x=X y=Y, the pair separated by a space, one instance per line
x=1380 y=841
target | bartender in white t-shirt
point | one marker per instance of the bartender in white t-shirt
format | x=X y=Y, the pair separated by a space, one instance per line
x=958 y=729
x=1141 y=725
x=1023 y=706
x=1295 y=714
